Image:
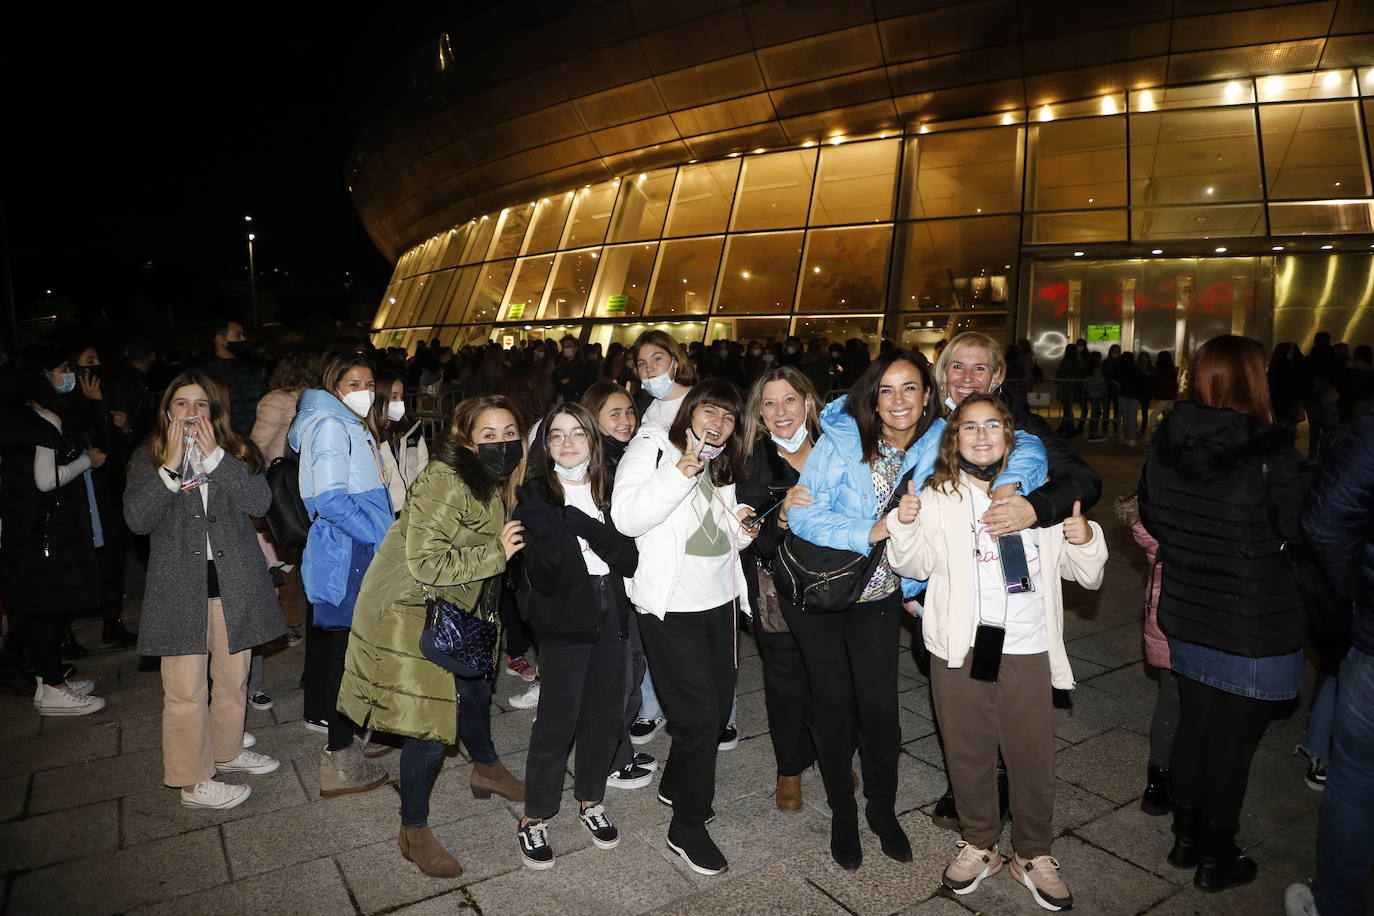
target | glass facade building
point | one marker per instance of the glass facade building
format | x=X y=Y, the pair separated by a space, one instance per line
x=1242 y=191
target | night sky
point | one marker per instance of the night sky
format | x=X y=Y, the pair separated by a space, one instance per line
x=135 y=145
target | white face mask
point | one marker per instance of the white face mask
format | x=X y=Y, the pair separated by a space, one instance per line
x=360 y=402
x=395 y=410
x=711 y=452
x=576 y=472
x=659 y=385
x=793 y=443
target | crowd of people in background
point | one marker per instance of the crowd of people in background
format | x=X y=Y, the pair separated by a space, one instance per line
x=600 y=523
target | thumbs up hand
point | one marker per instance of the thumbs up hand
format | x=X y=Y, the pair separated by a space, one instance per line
x=1076 y=530
x=910 y=505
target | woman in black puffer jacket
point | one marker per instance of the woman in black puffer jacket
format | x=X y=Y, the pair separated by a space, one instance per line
x=1220 y=477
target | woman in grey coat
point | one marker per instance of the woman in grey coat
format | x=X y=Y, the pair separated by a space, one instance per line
x=194 y=489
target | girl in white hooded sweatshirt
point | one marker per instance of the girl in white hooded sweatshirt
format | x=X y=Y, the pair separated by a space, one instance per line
x=996 y=648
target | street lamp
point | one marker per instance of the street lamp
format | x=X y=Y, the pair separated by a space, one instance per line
x=252 y=277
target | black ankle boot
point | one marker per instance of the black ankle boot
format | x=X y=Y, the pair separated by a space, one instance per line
x=1156 y=800
x=114 y=633
x=1222 y=865
x=946 y=814
x=844 y=840
x=882 y=820
x=1187 y=850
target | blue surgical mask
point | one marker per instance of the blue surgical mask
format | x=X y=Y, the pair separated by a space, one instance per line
x=576 y=472
x=659 y=385
x=793 y=442
x=68 y=383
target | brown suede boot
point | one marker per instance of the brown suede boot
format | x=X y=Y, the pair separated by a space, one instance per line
x=789 y=797
x=420 y=846
x=489 y=778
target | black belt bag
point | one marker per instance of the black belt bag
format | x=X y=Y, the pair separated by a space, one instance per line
x=826 y=580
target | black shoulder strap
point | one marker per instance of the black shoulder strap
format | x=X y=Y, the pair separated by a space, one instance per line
x=658 y=459
x=898 y=490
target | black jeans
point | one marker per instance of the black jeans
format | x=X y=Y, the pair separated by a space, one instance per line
x=324 y=668
x=692 y=657
x=582 y=698
x=634 y=694
x=1217 y=736
x=37 y=634
x=787 y=697
x=851 y=658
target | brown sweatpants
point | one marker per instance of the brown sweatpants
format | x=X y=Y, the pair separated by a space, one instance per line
x=198 y=729
x=1017 y=713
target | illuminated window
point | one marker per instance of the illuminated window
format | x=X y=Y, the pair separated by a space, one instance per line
x=527 y=289
x=702 y=198
x=774 y=191
x=642 y=206
x=1312 y=151
x=960 y=263
x=479 y=239
x=1079 y=164
x=491 y=289
x=845 y=270
x=855 y=183
x=511 y=231
x=965 y=172
x=1194 y=157
x=685 y=276
x=591 y=215
x=571 y=285
x=623 y=283
x=760 y=274
x=550 y=213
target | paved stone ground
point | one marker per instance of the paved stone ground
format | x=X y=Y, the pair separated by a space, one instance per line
x=87 y=827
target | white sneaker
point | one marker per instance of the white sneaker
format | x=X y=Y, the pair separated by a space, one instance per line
x=249 y=740
x=63 y=701
x=84 y=687
x=1297 y=900
x=215 y=794
x=249 y=762
x=526 y=700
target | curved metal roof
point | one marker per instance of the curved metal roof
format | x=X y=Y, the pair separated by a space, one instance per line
x=530 y=99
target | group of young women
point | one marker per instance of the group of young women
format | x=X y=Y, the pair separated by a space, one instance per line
x=633 y=543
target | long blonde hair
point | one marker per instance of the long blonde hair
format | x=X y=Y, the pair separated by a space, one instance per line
x=218 y=396
x=466 y=414
x=945 y=478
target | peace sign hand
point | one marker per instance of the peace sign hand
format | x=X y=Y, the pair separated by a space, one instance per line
x=691 y=463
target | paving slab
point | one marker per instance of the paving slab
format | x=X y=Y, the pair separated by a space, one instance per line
x=770 y=890
x=89 y=739
x=84 y=783
x=159 y=813
x=1101 y=884
x=1111 y=765
x=119 y=881
x=311 y=889
x=62 y=836
x=14 y=792
x=1111 y=648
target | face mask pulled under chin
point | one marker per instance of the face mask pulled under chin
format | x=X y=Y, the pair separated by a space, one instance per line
x=659 y=385
x=501 y=458
x=792 y=442
x=575 y=473
x=360 y=402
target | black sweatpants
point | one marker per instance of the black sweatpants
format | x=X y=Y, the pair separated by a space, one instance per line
x=851 y=659
x=692 y=658
x=787 y=697
x=1217 y=736
x=324 y=668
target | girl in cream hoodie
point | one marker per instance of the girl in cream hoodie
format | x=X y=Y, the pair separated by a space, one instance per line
x=937 y=536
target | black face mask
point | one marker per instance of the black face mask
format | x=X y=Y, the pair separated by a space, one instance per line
x=239 y=348
x=987 y=472
x=500 y=458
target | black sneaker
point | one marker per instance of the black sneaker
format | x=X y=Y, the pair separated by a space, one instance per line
x=729 y=739
x=665 y=800
x=1316 y=776
x=316 y=725
x=603 y=832
x=534 y=845
x=646 y=761
x=631 y=777
x=642 y=731
x=946 y=815
x=698 y=850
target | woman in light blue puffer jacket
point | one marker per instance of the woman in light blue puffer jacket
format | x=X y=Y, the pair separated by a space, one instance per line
x=887 y=425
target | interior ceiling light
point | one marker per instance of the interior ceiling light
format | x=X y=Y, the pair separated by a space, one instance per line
x=1332 y=79
x=1232 y=91
x=1327 y=247
x=1277 y=248
x=1078 y=254
x=1147 y=101
x=1108 y=105
x=1221 y=250
x=1157 y=251
x=1273 y=85
x=1045 y=113
x=924 y=129
x=1006 y=118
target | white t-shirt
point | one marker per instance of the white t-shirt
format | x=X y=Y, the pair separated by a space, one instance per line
x=580 y=495
x=663 y=412
x=1024 y=612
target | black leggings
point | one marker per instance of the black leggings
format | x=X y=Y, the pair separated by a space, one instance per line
x=1217 y=735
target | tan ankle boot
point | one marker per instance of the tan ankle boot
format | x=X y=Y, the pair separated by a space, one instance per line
x=420 y=846
x=789 y=797
x=347 y=771
x=489 y=778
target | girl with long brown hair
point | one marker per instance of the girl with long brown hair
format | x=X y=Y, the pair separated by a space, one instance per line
x=195 y=489
x=971 y=619
x=572 y=587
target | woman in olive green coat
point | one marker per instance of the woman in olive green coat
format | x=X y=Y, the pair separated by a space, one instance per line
x=452 y=539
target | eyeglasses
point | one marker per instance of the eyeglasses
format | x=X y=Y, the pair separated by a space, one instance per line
x=971 y=428
x=559 y=437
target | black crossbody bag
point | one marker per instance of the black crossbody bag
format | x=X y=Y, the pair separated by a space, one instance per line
x=826 y=580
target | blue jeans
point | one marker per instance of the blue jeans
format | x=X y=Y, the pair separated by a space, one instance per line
x=649 y=707
x=1345 y=845
x=421 y=760
x=1316 y=741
